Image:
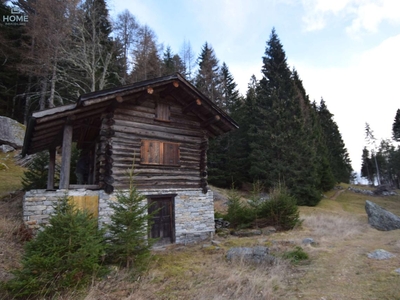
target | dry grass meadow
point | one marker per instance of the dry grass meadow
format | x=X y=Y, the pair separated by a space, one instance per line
x=337 y=268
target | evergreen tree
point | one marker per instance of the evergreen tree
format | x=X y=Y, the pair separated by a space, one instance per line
x=172 y=63
x=208 y=78
x=280 y=152
x=338 y=157
x=35 y=177
x=129 y=229
x=223 y=154
x=396 y=127
x=64 y=255
x=367 y=169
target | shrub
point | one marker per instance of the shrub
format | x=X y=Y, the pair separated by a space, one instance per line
x=129 y=243
x=296 y=255
x=65 y=254
x=281 y=209
x=239 y=215
x=36 y=175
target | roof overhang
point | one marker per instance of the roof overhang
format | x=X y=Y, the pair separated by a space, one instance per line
x=45 y=128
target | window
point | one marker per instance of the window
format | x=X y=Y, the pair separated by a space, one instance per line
x=163 y=112
x=159 y=153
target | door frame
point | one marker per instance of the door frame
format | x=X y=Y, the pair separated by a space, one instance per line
x=152 y=198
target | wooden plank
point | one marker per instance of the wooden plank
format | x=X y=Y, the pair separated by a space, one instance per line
x=125 y=131
x=66 y=156
x=160 y=128
x=52 y=168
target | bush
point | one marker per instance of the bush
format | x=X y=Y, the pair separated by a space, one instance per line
x=296 y=255
x=281 y=209
x=239 y=215
x=66 y=254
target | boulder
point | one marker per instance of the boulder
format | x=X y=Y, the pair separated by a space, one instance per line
x=258 y=254
x=380 y=218
x=6 y=148
x=11 y=132
x=380 y=254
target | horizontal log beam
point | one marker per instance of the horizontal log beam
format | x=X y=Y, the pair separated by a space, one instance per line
x=191 y=105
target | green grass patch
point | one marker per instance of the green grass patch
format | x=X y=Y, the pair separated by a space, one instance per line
x=10 y=174
x=296 y=255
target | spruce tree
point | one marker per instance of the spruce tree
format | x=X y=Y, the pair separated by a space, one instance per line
x=280 y=151
x=338 y=156
x=208 y=78
x=67 y=254
x=129 y=242
x=223 y=153
x=396 y=127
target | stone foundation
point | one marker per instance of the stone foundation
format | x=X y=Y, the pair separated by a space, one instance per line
x=194 y=210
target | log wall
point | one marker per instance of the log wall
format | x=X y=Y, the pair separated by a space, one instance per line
x=129 y=124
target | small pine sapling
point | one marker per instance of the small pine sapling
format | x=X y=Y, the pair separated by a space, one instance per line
x=129 y=241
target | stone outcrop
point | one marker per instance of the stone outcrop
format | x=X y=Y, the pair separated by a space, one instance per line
x=11 y=132
x=258 y=254
x=380 y=254
x=380 y=218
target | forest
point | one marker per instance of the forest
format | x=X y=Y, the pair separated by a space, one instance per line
x=72 y=47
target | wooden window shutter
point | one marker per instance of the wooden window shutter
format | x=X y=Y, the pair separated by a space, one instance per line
x=159 y=153
x=171 y=154
x=150 y=152
x=163 y=112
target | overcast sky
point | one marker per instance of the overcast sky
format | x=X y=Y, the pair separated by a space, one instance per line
x=345 y=51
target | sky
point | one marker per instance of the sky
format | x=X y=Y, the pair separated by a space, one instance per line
x=345 y=51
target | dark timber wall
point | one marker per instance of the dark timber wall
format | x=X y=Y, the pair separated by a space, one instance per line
x=129 y=123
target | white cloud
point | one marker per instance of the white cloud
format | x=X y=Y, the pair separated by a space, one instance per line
x=365 y=15
x=364 y=91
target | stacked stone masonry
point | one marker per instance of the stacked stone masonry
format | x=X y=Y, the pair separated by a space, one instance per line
x=194 y=210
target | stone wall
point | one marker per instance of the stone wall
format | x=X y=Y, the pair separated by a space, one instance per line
x=194 y=210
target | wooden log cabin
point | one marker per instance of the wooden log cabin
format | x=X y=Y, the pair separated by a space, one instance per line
x=160 y=126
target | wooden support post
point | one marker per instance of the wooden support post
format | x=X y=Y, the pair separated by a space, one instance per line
x=66 y=156
x=52 y=168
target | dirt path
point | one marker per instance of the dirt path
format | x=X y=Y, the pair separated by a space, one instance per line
x=338 y=192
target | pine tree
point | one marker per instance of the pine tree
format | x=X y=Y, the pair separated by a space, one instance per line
x=35 y=177
x=208 y=78
x=172 y=63
x=338 y=156
x=129 y=244
x=280 y=152
x=64 y=255
x=396 y=127
x=223 y=151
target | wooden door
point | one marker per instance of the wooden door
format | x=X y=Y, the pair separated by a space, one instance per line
x=163 y=227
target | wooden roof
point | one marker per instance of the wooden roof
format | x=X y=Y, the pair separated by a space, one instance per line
x=45 y=128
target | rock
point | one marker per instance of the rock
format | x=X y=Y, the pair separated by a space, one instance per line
x=384 y=190
x=215 y=243
x=247 y=232
x=11 y=132
x=380 y=254
x=308 y=241
x=269 y=230
x=258 y=254
x=6 y=148
x=380 y=218
x=397 y=271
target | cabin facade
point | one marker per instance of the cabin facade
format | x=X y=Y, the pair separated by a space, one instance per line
x=161 y=127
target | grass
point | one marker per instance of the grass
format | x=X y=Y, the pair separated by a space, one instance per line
x=10 y=174
x=337 y=266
